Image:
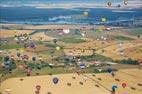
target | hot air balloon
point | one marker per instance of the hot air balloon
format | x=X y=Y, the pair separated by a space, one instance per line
x=119 y=5
x=29 y=71
x=125 y=2
x=85 y=13
x=58 y=48
x=101 y=28
x=22 y=50
x=109 y=3
x=114 y=87
x=66 y=31
x=34 y=58
x=124 y=85
x=55 y=80
x=32 y=45
x=55 y=40
x=37 y=92
x=104 y=19
x=109 y=70
x=38 y=87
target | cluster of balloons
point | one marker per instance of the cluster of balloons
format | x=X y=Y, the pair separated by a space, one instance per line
x=64 y=31
x=102 y=27
x=38 y=87
x=124 y=1
x=114 y=87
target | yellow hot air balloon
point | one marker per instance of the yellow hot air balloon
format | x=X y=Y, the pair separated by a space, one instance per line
x=58 y=48
x=85 y=13
x=21 y=50
x=104 y=19
x=101 y=28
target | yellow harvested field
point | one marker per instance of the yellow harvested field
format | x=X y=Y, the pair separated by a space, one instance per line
x=86 y=48
x=130 y=51
x=37 y=27
x=42 y=37
x=27 y=86
x=13 y=52
x=12 y=33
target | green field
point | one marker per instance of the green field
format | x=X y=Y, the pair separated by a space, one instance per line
x=123 y=38
x=96 y=57
x=9 y=46
x=136 y=31
x=71 y=40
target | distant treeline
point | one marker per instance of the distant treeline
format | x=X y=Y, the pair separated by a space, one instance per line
x=128 y=61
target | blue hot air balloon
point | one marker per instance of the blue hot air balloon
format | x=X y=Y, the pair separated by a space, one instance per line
x=109 y=70
x=114 y=87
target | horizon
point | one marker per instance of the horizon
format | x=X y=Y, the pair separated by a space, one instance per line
x=70 y=3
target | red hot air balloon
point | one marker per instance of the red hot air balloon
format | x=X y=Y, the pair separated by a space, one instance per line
x=124 y=85
x=140 y=61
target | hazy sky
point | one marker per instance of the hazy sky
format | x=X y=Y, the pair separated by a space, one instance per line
x=59 y=1
x=43 y=3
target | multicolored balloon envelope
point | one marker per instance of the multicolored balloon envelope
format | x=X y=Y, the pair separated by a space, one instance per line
x=55 y=80
x=114 y=87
